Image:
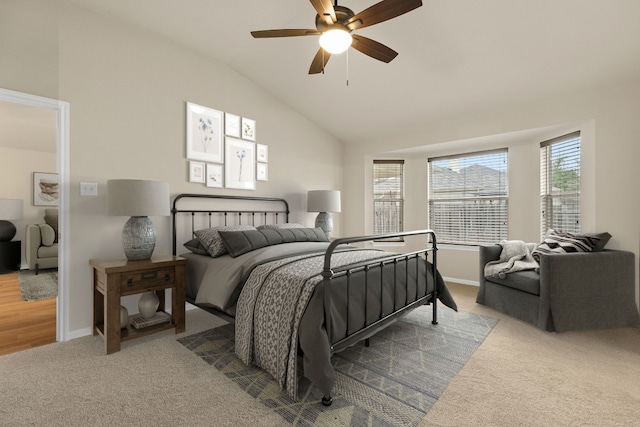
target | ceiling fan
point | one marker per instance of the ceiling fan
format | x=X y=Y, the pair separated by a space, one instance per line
x=335 y=25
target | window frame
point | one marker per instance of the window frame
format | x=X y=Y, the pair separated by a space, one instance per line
x=472 y=205
x=550 y=197
x=399 y=201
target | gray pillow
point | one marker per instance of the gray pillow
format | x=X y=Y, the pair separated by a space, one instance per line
x=47 y=235
x=51 y=218
x=211 y=241
x=241 y=242
x=196 y=247
x=603 y=239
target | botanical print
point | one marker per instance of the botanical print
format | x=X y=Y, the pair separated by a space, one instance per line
x=262 y=153
x=232 y=125
x=196 y=172
x=204 y=133
x=214 y=175
x=239 y=164
x=248 y=129
x=45 y=189
x=262 y=172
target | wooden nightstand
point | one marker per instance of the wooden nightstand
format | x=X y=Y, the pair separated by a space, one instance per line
x=117 y=277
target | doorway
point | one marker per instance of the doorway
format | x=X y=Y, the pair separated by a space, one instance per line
x=61 y=110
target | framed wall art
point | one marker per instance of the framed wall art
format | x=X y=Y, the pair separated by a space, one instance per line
x=262 y=172
x=45 y=189
x=204 y=133
x=196 y=172
x=262 y=153
x=214 y=175
x=239 y=165
x=232 y=125
x=248 y=129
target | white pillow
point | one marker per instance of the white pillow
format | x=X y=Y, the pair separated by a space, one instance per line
x=47 y=235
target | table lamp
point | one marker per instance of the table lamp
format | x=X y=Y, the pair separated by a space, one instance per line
x=138 y=199
x=10 y=210
x=324 y=201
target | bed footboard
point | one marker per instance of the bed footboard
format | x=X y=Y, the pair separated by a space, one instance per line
x=411 y=277
x=417 y=287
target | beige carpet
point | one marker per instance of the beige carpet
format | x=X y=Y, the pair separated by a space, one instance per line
x=519 y=376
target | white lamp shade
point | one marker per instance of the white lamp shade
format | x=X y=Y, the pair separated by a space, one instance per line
x=323 y=201
x=10 y=209
x=136 y=197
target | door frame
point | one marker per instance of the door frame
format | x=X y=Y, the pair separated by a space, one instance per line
x=62 y=168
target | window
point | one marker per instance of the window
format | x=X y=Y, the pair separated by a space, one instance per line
x=388 y=196
x=468 y=197
x=560 y=184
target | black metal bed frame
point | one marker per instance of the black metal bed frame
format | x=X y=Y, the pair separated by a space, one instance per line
x=328 y=273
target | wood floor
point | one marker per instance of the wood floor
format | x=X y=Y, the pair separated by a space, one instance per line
x=24 y=324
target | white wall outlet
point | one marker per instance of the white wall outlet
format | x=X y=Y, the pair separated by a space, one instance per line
x=88 y=188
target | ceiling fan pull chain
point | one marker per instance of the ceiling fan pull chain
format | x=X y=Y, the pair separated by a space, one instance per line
x=347 y=68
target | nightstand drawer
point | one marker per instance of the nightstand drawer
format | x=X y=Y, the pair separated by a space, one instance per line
x=143 y=279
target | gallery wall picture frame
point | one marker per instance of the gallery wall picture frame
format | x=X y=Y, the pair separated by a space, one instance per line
x=204 y=133
x=239 y=166
x=262 y=172
x=214 y=175
x=248 y=129
x=196 y=172
x=232 y=125
x=262 y=153
x=46 y=191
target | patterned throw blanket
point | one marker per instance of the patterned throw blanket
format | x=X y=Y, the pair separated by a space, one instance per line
x=271 y=305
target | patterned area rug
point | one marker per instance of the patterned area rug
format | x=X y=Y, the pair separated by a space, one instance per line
x=40 y=286
x=393 y=382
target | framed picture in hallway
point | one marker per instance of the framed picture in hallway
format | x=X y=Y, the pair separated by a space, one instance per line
x=45 y=189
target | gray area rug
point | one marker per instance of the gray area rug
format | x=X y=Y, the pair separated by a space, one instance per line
x=40 y=286
x=393 y=382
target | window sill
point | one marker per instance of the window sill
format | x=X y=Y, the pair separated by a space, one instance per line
x=467 y=248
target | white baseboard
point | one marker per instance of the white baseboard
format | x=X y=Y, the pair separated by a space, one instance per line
x=462 y=281
x=78 y=333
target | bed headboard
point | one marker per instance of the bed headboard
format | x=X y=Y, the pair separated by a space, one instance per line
x=191 y=212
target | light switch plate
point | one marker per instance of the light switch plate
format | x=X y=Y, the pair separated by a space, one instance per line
x=88 y=188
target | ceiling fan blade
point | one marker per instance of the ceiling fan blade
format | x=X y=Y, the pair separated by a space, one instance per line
x=325 y=10
x=383 y=11
x=319 y=61
x=284 y=33
x=373 y=49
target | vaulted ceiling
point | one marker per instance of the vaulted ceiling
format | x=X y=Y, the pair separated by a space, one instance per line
x=456 y=57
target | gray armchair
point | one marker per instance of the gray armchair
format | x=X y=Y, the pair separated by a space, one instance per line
x=41 y=247
x=587 y=290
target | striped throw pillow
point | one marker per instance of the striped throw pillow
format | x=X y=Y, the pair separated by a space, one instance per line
x=561 y=242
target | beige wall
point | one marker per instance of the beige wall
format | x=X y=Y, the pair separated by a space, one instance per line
x=127 y=91
x=607 y=118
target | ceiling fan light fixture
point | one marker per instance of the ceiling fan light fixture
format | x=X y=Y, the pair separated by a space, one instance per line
x=336 y=40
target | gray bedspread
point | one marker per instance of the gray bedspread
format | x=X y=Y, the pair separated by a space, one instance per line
x=216 y=282
x=281 y=307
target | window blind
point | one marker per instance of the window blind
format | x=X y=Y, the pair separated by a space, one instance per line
x=468 y=197
x=388 y=196
x=560 y=184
